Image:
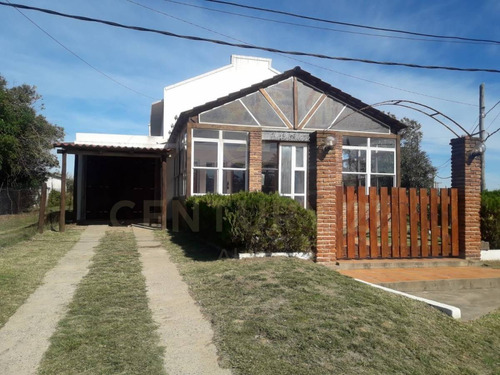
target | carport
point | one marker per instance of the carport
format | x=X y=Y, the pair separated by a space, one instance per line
x=117 y=184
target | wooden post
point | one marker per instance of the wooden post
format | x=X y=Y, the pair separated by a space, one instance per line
x=43 y=203
x=163 y=193
x=62 y=213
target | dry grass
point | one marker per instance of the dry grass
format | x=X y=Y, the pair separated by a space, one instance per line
x=23 y=266
x=108 y=328
x=286 y=316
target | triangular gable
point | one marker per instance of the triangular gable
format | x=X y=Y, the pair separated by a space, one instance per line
x=275 y=103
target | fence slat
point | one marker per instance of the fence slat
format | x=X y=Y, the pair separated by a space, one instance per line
x=350 y=224
x=373 y=223
x=395 y=222
x=455 y=251
x=403 y=228
x=445 y=234
x=362 y=223
x=424 y=223
x=414 y=219
x=434 y=223
x=339 y=237
x=384 y=223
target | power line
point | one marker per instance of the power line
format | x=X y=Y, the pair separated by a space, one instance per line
x=320 y=27
x=293 y=58
x=81 y=58
x=246 y=46
x=486 y=114
x=354 y=24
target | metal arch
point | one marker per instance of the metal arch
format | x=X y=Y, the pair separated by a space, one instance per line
x=410 y=104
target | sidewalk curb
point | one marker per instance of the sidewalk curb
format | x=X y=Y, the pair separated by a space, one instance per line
x=452 y=311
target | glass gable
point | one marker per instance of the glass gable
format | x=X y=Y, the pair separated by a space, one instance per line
x=230 y=113
x=307 y=97
x=282 y=95
x=262 y=110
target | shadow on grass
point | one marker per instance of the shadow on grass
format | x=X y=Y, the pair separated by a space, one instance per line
x=194 y=247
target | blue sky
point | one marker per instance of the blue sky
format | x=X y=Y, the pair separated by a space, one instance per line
x=80 y=99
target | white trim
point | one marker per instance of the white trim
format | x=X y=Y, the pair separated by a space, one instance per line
x=294 y=168
x=336 y=118
x=249 y=112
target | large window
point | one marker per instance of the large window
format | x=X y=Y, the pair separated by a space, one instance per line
x=368 y=161
x=219 y=161
x=284 y=169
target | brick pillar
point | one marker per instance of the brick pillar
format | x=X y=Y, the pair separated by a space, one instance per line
x=255 y=161
x=466 y=177
x=328 y=166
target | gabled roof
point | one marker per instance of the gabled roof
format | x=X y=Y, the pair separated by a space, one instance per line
x=306 y=77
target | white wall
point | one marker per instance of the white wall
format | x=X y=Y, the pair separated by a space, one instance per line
x=243 y=71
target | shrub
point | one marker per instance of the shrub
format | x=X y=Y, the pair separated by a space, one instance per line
x=255 y=222
x=54 y=199
x=490 y=218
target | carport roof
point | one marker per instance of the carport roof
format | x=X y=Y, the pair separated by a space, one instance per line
x=73 y=148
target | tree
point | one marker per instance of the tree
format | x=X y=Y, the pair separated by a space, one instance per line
x=416 y=167
x=26 y=138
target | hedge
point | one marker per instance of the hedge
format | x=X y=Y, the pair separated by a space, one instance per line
x=490 y=218
x=255 y=222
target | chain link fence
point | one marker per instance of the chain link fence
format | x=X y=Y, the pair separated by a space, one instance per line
x=16 y=201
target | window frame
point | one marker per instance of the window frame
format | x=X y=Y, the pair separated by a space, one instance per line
x=368 y=174
x=294 y=169
x=219 y=168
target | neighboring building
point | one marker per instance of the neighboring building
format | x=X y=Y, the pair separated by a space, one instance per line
x=241 y=127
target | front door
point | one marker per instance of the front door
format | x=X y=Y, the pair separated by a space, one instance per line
x=293 y=171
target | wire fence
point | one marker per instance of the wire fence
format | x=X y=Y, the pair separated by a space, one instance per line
x=16 y=201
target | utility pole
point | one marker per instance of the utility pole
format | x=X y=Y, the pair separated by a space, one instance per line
x=481 y=133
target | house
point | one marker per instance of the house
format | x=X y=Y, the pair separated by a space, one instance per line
x=242 y=127
x=247 y=127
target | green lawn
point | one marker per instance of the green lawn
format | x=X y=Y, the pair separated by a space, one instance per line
x=16 y=228
x=286 y=316
x=108 y=328
x=23 y=266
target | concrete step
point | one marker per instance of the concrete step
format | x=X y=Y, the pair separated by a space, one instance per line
x=442 y=285
x=402 y=263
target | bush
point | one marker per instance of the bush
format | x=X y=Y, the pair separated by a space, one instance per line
x=490 y=218
x=255 y=222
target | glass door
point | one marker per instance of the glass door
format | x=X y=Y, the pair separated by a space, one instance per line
x=293 y=172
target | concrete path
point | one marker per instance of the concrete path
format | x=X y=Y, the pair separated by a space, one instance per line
x=185 y=333
x=25 y=337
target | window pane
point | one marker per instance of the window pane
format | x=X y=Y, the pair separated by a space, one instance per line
x=382 y=181
x=233 y=181
x=204 y=133
x=299 y=156
x=299 y=182
x=204 y=180
x=269 y=180
x=307 y=97
x=286 y=168
x=354 y=179
x=383 y=161
x=235 y=135
x=235 y=155
x=354 y=141
x=353 y=160
x=205 y=154
x=230 y=113
x=270 y=155
x=383 y=142
x=262 y=110
x=282 y=94
x=300 y=200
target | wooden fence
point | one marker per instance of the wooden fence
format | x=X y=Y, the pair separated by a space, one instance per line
x=396 y=223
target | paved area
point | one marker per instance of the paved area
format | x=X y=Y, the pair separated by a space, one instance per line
x=185 y=333
x=473 y=303
x=25 y=337
x=390 y=275
x=475 y=290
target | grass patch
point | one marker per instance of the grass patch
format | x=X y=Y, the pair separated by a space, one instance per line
x=17 y=228
x=23 y=266
x=286 y=316
x=109 y=328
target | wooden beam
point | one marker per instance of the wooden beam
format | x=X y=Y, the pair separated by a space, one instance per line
x=295 y=104
x=164 y=193
x=62 y=208
x=43 y=203
x=312 y=111
x=276 y=108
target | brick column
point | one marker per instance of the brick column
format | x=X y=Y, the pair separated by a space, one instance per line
x=466 y=177
x=328 y=165
x=255 y=161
